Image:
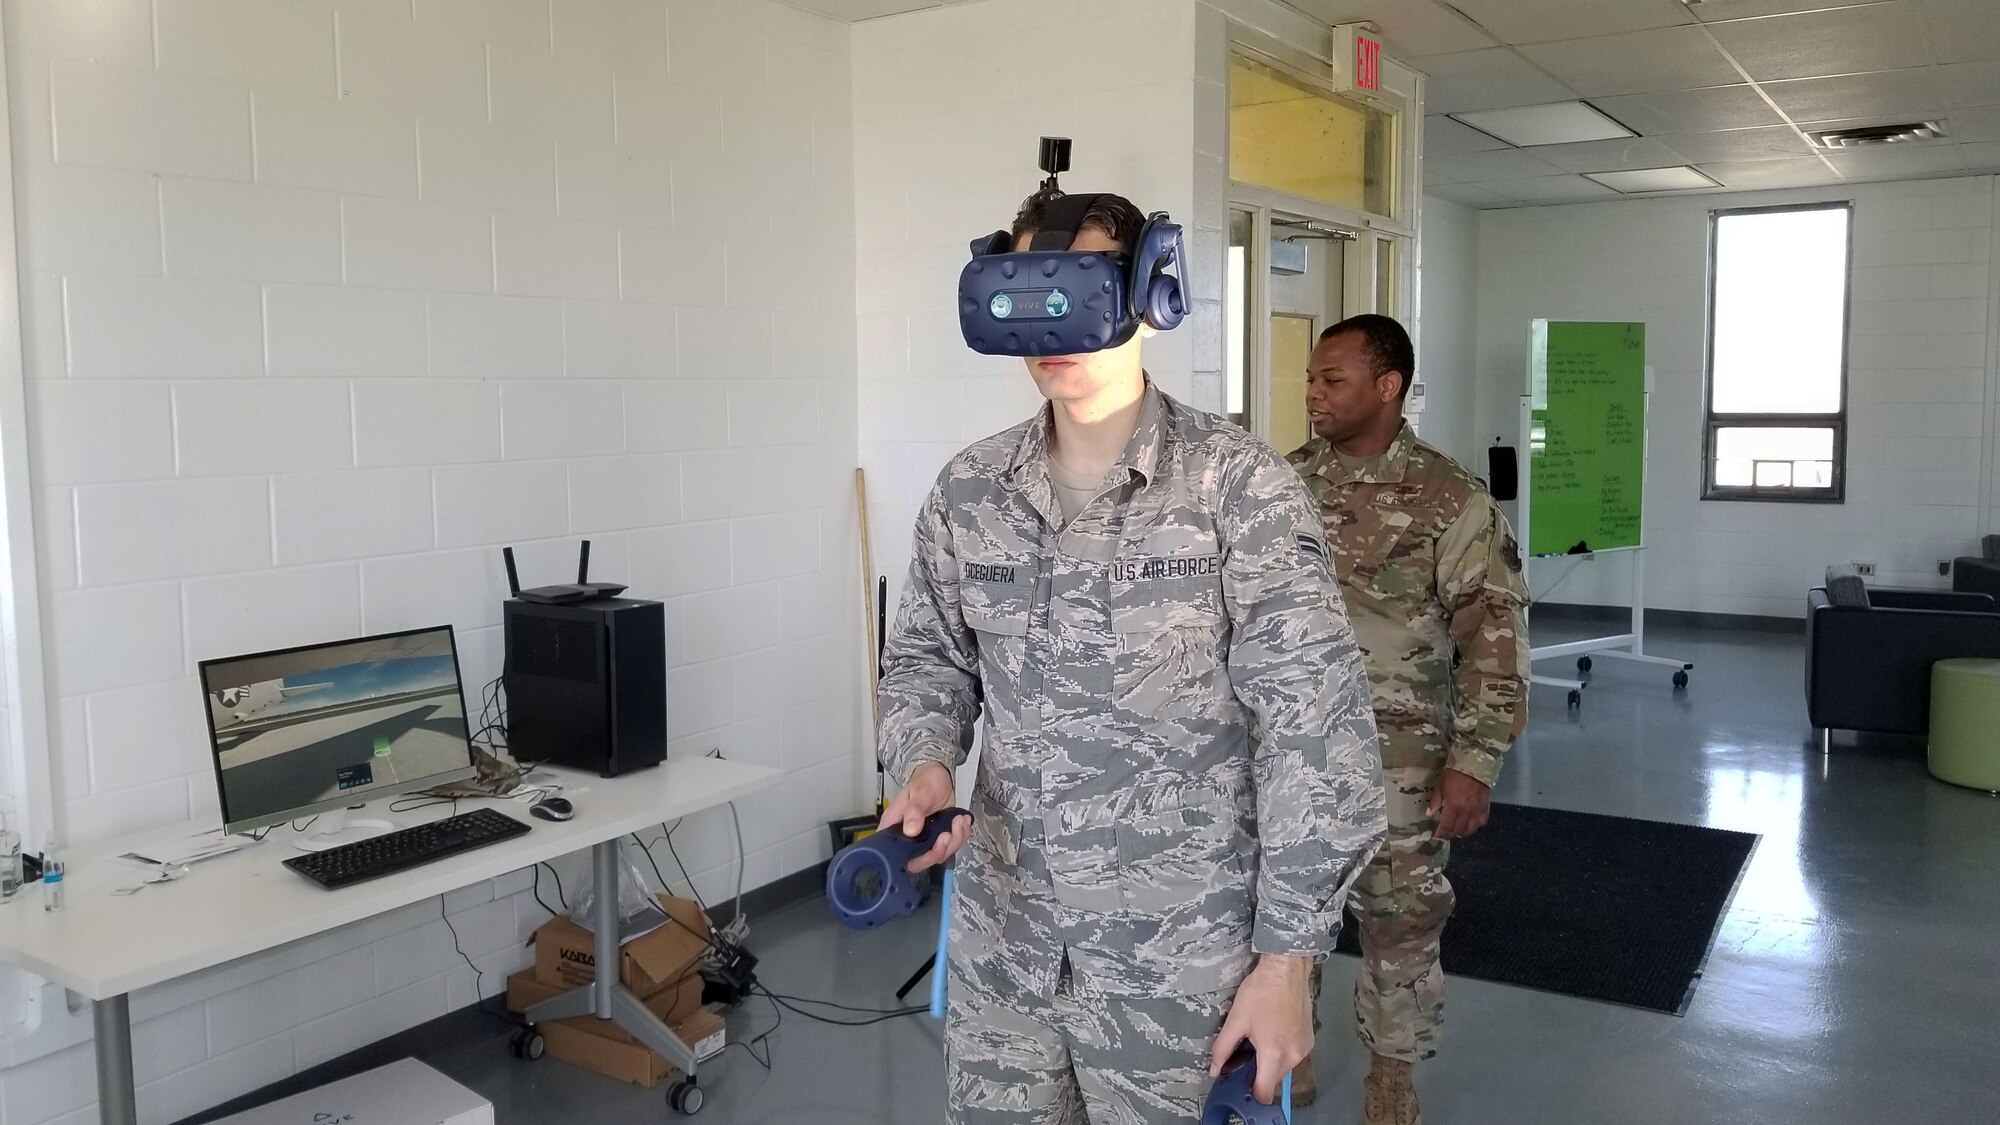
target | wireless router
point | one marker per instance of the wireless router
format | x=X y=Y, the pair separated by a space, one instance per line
x=583 y=589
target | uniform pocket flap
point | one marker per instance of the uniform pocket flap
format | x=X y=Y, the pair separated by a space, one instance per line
x=1002 y=621
x=994 y=597
x=1192 y=835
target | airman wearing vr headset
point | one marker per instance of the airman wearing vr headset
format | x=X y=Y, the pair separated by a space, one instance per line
x=1178 y=782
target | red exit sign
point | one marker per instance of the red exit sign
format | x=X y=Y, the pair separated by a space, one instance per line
x=1367 y=62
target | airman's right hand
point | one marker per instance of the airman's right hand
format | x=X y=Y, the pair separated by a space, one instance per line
x=930 y=790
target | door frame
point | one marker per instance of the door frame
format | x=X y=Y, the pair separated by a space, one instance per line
x=1358 y=286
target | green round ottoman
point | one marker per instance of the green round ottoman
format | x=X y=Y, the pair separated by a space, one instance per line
x=1965 y=722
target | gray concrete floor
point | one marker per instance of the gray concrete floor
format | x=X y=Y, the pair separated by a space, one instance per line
x=1856 y=978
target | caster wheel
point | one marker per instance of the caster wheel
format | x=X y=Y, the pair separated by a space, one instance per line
x=1575 y=700
x=528 y=1044
x=1680 y=679
x=684 y=1098
x=1583 y=663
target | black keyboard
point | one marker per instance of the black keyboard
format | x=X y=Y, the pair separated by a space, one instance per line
x=406 y=848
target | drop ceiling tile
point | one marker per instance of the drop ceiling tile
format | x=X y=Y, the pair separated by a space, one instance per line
x=1805 y=171
x=1771 y=142
x=1964 y=30
x=831 y=9
x=1409 y=28
x=1619 y=155
x=1842 y=41
x=1973 y=83
x=1445 y=137
x=1516 y=22
x=1472 y=195
x=1635 y=62
x=856 y=10
x=1495 y=78
x=1890 y=94
x=1715 y=11
x=1548 y=189
x=1692 y=111
x=1891 y=162
x=1974 y=123
x=1506 y=163
x=1981 y=157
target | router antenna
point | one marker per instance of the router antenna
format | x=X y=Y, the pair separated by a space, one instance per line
x=583 y=563
x=513 y=579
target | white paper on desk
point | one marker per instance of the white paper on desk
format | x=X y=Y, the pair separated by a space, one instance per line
x=180 y=853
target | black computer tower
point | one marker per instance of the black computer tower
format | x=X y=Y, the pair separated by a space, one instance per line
x=587 y=684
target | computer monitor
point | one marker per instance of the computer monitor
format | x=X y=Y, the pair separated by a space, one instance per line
x=301 y=731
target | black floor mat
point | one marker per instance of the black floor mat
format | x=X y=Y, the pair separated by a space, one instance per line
x=1603 y=907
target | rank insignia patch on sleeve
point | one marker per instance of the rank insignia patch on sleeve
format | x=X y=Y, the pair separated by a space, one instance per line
x=1311 y=546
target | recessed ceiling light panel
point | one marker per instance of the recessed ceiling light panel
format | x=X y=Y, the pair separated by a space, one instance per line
x=1561 y=123
x=1653 y=179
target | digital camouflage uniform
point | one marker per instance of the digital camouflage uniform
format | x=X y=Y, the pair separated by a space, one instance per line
x=1431 y=577
x=1133 y=847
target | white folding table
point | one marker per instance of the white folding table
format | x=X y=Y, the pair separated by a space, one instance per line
x=104 y=946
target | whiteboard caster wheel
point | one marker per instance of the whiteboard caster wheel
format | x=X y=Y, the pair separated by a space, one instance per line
x=528 y=1044
x=684 y=1098
x=1583 y=663
x=1575 y=700
x=1680 y=680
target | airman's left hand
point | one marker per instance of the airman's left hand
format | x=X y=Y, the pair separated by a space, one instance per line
x=1460 y=804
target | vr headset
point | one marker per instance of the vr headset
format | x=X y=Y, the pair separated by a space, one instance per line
x=1051 y=300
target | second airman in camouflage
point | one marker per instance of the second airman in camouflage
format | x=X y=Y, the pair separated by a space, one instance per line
x=1431 y=576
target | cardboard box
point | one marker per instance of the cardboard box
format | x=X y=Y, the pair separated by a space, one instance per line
x=676 y=1002
x=566 y=953
x=584 y=1043
x=402 y=1093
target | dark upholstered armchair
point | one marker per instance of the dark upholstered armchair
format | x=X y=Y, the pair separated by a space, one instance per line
x=1869 y=651
x=1978 y=574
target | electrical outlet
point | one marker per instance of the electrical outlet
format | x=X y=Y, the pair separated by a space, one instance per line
x=1865 y=569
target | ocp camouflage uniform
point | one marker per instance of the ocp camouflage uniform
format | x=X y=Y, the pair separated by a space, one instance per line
x=1431 y=576
x=1133 y=849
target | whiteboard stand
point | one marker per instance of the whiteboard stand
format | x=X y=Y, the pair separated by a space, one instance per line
x=1629 y=645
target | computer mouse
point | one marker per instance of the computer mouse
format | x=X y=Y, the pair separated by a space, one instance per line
x=552 y=808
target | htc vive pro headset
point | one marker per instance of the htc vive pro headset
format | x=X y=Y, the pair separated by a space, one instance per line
x=1051 y=300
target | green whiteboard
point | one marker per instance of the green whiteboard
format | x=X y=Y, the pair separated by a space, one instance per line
x=1587 y=455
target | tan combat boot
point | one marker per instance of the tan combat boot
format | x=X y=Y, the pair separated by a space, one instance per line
x=1304 y=1089
x=1387 y=1095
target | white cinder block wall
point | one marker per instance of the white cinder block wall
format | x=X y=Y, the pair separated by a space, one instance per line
x=949 y=104
x=1921 y=386
x=324 y=301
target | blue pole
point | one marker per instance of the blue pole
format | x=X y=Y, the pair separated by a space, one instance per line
x=944 y=936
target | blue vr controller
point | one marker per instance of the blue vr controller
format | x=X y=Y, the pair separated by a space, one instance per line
x=867 y=884
x=1231 y=1100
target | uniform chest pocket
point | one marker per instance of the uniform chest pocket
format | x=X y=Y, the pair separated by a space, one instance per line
x=1167 y=637
x=1178 y=592
x=1384 y=545
x=995 y=597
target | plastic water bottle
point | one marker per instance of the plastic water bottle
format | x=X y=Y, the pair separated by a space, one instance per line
x=10 y=864
x=52 y=881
